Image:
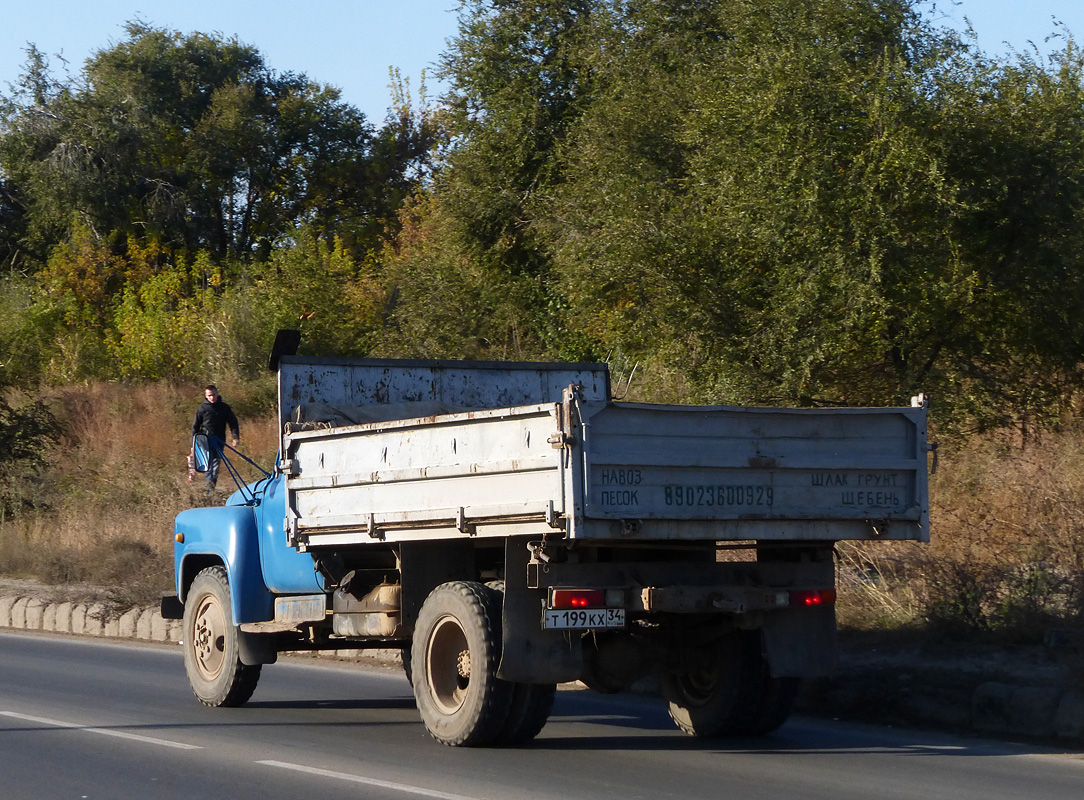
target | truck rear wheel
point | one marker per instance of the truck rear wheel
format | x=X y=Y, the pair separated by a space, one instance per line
x=528 y=713
x=211 y=659
x=530 y=706
x=711 y=696
x=777 y=696
x=456 y=652
x=730 y=691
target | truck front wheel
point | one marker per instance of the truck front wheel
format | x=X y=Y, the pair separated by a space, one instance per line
x=211 y=659
x=456 y=652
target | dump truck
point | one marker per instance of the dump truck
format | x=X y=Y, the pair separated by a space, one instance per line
x=508 y=527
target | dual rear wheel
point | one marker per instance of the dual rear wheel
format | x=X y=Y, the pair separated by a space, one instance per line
x=454 y=659
x=727 y=690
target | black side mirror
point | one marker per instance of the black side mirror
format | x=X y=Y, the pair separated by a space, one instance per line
x=286 y=343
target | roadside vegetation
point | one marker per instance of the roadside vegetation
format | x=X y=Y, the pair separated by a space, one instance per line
x=789 y=202
x=1006 y=560
x=99 y=510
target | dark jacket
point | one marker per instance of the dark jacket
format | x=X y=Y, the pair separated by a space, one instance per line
x=212 y=419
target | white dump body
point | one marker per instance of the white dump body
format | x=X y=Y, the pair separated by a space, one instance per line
x=582 y=466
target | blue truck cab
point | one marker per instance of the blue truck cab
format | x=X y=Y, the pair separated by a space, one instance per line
x=246 y=537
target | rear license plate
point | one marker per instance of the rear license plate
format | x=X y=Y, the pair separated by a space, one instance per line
x=572 y=618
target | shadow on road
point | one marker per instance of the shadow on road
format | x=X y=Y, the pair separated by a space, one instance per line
x=376 y=704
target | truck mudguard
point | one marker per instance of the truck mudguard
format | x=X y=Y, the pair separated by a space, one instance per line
x=225 y=535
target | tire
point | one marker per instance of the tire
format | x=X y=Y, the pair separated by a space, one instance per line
x=215 y=672
x=713 y=697
x=599 y=676
x=528 y=713
x=456 y=652
x=405 y=655
x=530 y=707
x=737 y=696
x=776 y=703
x=776 y=696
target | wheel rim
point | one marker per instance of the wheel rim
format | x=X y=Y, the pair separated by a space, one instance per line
x=448 y=665
x=209 y=637
x=697 y=686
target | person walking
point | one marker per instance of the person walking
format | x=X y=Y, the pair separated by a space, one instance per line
x=213 y=416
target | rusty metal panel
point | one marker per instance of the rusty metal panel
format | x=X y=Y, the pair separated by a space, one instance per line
x=300 y=608
x=465 y=384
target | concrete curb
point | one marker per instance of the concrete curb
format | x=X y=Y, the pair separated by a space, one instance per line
x=1051 y=713
x=1038 y=712
x=25 y=612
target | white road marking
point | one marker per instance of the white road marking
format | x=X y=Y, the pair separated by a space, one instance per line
x=346 y=776
x=104 y=731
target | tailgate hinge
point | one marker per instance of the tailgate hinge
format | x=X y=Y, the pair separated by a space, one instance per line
x=462 y=525
x=560 y=440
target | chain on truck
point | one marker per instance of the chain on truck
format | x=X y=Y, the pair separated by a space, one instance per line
x=510 y=527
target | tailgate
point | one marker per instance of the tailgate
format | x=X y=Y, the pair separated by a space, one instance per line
x=774 y=467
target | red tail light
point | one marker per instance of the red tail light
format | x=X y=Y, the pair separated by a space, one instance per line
x=577 y=598
x=813 y=597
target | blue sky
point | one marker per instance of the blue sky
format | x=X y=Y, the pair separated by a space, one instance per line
x=352 y=43
x=346 y=43
x=1016 y=22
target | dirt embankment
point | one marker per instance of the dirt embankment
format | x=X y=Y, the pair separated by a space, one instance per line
x=1028 y=692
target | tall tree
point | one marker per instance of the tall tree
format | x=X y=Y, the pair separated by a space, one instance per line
x=143 y=195
x=800 y=201
x=1013 y=136
x=518 y=82
x=194 y=141
x=749 y=188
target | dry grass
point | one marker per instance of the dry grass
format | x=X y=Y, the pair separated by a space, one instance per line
x=115 y=483
x=1006 y=560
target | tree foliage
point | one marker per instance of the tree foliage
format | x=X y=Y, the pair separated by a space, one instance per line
x=797 y=201
x=782 y=201
x=175 y=173
x=193 y=141
x=755 y=183
x=27 y=433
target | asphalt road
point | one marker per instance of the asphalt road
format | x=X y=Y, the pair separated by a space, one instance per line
x=96 y=720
